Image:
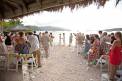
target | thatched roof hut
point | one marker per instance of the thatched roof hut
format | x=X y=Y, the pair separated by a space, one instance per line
x=19 y=8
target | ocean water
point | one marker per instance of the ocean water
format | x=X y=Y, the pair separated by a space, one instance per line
x=67 y=34
x=56 y=36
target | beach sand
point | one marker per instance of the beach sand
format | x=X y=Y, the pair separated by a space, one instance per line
x=64 y=65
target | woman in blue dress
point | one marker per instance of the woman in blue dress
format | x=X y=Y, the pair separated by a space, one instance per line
x=87 y=45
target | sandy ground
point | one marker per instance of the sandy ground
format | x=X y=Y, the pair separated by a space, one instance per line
x=65 y=65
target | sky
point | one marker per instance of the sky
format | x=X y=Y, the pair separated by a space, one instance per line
x=83 y=19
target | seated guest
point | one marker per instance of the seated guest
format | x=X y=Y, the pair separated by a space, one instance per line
x=3 y=48
x=21 y=46
x=112 y=38
x=115 y=56
x=80 y=39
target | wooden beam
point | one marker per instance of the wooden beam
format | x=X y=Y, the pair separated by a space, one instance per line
x=10 y=7
x=12 y=4
x=20 y=5
x=2 y=9
x=25 y=5
x=2 y=12
x=40 y=2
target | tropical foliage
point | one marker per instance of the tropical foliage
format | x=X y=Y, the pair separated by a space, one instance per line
x=10 y=23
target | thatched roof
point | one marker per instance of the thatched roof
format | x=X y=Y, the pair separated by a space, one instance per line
x=19 y=8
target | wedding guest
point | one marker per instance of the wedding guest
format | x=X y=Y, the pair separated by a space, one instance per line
x=3 y=48
x=51 y=37
x=115 y=56
x=70 y=39
x=35 y=49
x=45 y=43
x=63 y=39
x=60 y=39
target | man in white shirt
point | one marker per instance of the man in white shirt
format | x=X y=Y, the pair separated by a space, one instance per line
x=100 y=34
x=34 y=42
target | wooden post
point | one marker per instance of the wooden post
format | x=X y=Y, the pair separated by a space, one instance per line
x=1 y=26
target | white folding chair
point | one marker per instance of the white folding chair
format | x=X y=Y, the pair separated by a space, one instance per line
x=104 y=69
x=28 y=60
x=3 y=61
x=12 y=64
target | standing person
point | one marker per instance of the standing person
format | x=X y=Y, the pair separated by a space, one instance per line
x=51 y=37
x=94 y=50
x=112 y=38
x=87 y=44
x=70 y=39
x=109 y=38
x=100 y=34
x=3 y=48
x=15 y=39
x=79 y=39
x=115 y=56
x=40 y=35
x=76 y=42
x=36 y=34
x=59 y=39
x=103 y=44
x=8 y=39
x=45 y=43
x=64 y=39
x=35 y=50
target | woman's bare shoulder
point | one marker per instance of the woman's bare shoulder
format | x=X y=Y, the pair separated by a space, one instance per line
x=117 y=42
